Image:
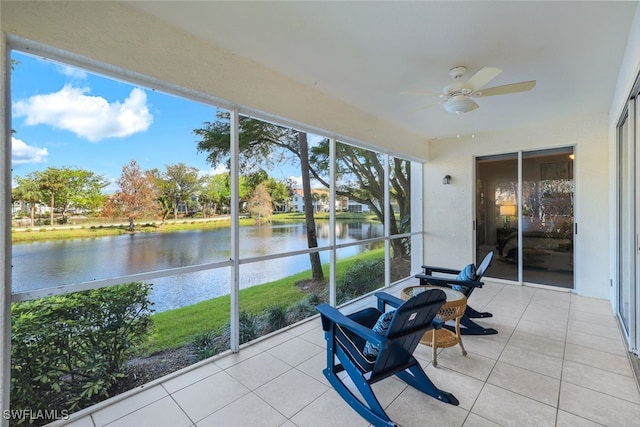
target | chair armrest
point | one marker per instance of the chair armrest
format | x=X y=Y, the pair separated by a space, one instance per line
x=444 y=281
x=429 y=269
x=385 y=298
x=331 y=315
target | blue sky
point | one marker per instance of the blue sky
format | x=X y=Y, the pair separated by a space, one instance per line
x=67 y=117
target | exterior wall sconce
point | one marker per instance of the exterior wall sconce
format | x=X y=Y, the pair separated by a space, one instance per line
x=446 y=179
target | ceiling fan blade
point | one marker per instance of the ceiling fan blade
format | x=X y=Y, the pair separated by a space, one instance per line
x=505 y=89
x=482 y=77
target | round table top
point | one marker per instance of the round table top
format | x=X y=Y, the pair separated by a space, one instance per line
x=450 y=293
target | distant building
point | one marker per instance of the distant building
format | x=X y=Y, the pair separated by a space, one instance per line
x=320 y=200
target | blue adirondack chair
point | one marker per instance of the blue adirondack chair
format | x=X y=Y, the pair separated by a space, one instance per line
x=373 y=344
x=465 y=281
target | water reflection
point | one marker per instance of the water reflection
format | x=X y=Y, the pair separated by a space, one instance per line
x=38 y=265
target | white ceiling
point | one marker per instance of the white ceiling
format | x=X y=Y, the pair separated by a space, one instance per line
x=367 y=53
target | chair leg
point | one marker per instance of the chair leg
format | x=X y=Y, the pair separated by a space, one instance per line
x=370 y=409
x=457 y=332
x=415 y=377
x=472 y=328
x=434 y=356
x=474 y=314
x=434 y=349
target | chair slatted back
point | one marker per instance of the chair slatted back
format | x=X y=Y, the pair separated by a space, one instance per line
x=484 y=265
x=411 y=320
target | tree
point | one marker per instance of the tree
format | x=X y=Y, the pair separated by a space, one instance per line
x=215 y=192
x=362 y=180
x=52 y=183
x=67 y=188
x=181 y=184
x=164 y=203
x=83 y=190
x=28 y=190
x=136 y=196
x=260 y=204
x=264 y=142
x=278 y=191
x=312 y=238
x=361 y=170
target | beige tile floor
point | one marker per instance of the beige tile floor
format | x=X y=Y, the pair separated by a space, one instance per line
x=558 y=360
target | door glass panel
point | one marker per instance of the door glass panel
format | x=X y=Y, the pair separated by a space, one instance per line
x=497 y=225
x=547 y=217
x=625 y=225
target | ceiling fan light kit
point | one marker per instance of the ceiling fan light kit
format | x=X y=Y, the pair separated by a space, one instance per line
x=460 y=104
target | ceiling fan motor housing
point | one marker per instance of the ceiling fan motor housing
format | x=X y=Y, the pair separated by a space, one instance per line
x=457 y=72
x=454 y=88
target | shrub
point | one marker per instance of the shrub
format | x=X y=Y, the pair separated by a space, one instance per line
x=276 y=318
x=208 y=344
x=362 y=277
x=303 y=309
x=249 y=327
x=68 y=351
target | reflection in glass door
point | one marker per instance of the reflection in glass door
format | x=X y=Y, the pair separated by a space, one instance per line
x=532 y=238
x=627 y=223
x=496 y=220
x=547 y=217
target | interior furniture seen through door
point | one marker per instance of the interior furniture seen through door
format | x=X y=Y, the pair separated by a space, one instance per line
x=524 y=205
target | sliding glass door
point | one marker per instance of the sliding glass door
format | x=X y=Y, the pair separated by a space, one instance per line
x=496 y=221
x=547 y=217
x=628 y=222
x=525 y=214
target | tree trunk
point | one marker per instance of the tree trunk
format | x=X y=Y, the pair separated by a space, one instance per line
x=312 y=239
x=33 y=214
x=132 y=225
x=53 y=199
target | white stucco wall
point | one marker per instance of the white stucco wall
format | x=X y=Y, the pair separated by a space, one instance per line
x=449 y=209
x=124 y=38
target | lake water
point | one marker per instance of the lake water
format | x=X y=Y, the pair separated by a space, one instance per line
x=45 y=264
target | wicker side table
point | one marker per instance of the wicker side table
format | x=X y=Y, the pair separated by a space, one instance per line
x=452 y=309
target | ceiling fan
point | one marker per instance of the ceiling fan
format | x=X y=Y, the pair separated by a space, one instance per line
x=456 y=97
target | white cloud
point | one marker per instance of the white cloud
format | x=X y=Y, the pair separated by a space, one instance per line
x=74 y=73
x=213 y=171
x=90 y=117
x=21 y=153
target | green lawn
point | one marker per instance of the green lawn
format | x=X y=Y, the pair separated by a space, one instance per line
x=175 y=328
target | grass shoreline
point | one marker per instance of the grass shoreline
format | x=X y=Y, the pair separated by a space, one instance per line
x=177 y=327
x=104 y=228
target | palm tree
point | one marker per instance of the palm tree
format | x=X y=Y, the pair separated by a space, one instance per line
x=28 y=191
